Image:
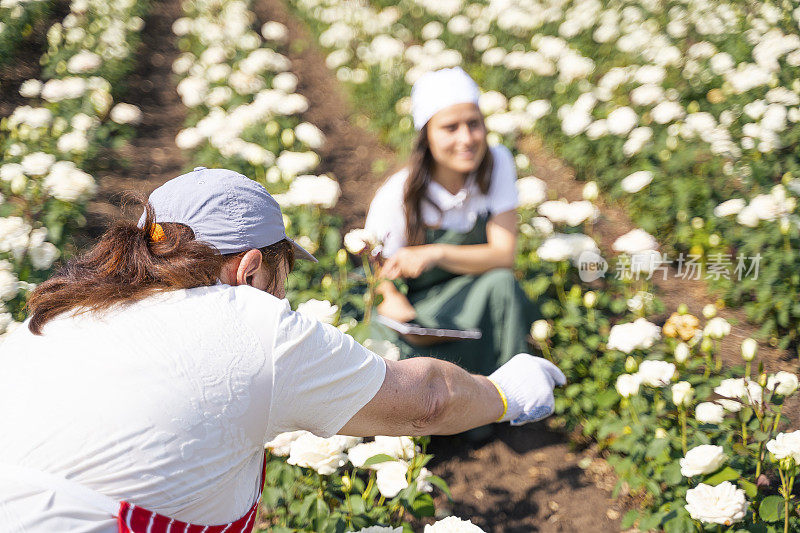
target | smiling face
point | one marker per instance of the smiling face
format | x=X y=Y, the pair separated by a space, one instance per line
x=457 y=138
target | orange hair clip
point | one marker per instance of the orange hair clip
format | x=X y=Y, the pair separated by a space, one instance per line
x=158 y=233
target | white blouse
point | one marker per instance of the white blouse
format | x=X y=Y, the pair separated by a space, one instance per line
x=459 y=212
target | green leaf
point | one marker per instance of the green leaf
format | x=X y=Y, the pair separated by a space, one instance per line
x=771 y=508
x=357 y=504
x=629 y=519
x=441 y=484
x=749 y=488
x=423 y=506
x=376 y=459
x=726 y=474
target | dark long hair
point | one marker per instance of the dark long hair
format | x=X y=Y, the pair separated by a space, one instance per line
x=420 y=166
x=127 y=265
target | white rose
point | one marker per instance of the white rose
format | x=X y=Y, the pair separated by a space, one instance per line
x=531 y=191
x=397 y=447
x=358 y=240
x=285 y=81
x=295 y=163
x=313 y=190
x=274 y=31
x=622 y=120
x=785 y=445
x=43 y=255
x=126 y=114
x=730 y=405
x=84 y=61
x=636 y=240
x=74 y=141
x=542 y=225
x=30 y=88
x=68 y=183
x=731 y=388
x=729 y=207
x=453 y=524
x=656 y=373
x=541 y=330
x=321 y=310
x=783 y=383
x=682 y=393
x=323 y=455
x=10 y=171
x=391 y=478
x=9 y=285
x=749 y=348
x=384 y=348
x=637 y=181
x=591 y=191
x=359 y=453
x=560 y=247
x=628 y=385
x=309 y=134
x=723 y=504
x=37 y=163
x=14 y=238
x=717 y=328
x=703 y=459
x=709 y=413
x=637 y=335
x=281 y=444
x=188 y=138
x=423 y=485
x=682 y=352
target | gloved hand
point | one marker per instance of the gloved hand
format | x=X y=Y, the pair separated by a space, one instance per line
x=527 y=383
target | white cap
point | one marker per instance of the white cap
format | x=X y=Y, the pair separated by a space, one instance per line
x=439 y=90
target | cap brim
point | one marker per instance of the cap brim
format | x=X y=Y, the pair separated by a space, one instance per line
x=301 y=253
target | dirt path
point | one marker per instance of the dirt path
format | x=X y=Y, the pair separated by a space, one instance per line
x=523 y=480
x=349 y=152
x=25 y=63
x=151 y=158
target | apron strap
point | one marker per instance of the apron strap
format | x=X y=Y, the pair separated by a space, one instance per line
x=53 y=482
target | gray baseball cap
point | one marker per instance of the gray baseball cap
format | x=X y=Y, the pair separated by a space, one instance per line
x=224 y=209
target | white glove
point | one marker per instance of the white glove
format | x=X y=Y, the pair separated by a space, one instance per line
x=527 y=383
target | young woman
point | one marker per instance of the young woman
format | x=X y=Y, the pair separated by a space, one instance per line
x=140 y=393
x=448 y=227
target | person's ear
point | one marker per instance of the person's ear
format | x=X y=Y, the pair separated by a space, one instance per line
x=248 y=266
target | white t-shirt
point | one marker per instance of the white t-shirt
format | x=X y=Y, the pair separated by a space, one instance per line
x=167 y=403
x=387 y=220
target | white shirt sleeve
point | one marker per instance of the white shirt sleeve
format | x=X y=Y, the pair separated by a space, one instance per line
x=503 y=188
x=322 y=377
x=386 y=218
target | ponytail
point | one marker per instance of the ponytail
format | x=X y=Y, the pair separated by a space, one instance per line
x=130 y=263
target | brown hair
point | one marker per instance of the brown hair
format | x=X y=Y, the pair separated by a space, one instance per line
x=127 y=265
x=420 y=163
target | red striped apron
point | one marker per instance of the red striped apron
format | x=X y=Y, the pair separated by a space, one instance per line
x=132 y=518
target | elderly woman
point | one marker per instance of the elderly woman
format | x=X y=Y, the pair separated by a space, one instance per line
x=447 y=222
x=140 y=393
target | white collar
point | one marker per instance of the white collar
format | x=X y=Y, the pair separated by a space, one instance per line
x=447 y=200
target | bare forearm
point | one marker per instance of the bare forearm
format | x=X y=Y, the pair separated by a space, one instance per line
x=468 y=401
x=473 y=258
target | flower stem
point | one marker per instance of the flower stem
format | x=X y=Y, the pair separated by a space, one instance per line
x=682 y=416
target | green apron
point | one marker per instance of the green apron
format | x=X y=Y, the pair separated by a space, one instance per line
x=492 y=302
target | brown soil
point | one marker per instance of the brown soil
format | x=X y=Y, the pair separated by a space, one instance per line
x=151 y=157
x=526 y=479
x=25 y=62
x=613 y=222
